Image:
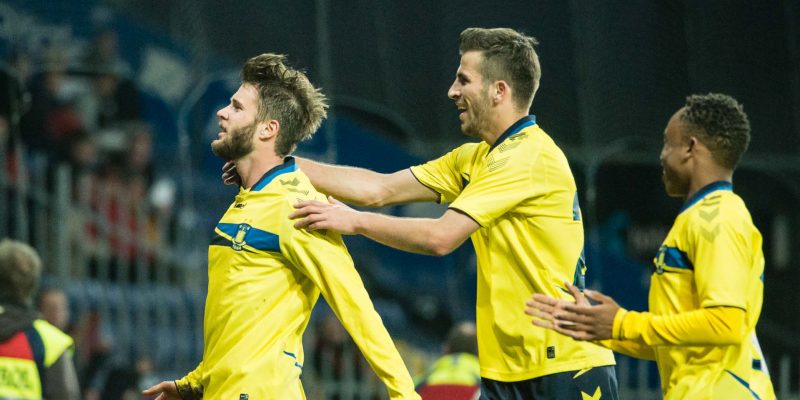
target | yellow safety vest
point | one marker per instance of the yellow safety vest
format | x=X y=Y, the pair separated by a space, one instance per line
x=26 y=355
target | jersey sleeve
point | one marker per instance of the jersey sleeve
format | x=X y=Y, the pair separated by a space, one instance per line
x=506 y=181
x=721 y=259
x=442 y=175
x=323 y=258
x=711 y=326
x=190 y=386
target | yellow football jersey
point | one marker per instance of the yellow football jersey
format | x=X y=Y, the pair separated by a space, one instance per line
x=522 y=193
x=264 y=277
x=711 y=257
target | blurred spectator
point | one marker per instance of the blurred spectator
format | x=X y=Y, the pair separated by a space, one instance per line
x=53 y=305
x=52 y=118
x=104 y=50
x=456 y=375
x=113 y=97
x=95 y=345
x=111 y=100
x=139 y=159
x=14 y=95
x=39 y=352
x=126 y=382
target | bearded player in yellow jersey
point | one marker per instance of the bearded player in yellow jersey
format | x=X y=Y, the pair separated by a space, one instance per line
x=264 y=275
x=514 y=195
x=707 y=288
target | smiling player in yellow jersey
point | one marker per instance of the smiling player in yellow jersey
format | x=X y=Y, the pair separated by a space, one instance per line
x=514 y=196
x=707 y=288
x=264 y=275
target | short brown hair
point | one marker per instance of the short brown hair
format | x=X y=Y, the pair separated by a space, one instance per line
x=723 y=126
x=285 y=94
x=20 y=268
x=507 y=55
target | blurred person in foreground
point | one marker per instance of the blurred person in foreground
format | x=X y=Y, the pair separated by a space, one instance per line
x=457 y=374
x=265 y=275
x=707 y=287
x=514 y=194
x=35 y=356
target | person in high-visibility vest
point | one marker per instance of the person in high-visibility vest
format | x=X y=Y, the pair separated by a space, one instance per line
x=35 y=356
x=457 y=374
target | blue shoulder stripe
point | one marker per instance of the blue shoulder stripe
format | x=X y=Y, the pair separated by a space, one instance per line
x=242 y=235
x=676 y=258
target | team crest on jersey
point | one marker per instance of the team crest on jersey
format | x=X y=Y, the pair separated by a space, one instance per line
x=658 y=261
x=239 y=238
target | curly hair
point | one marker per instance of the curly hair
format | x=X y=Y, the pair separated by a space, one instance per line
x=507 y=55
x=722 y=124
x=286 y=95
x=20 y=267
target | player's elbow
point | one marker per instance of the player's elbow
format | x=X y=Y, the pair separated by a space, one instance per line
x=729 y=325
x=375 y=196
x=374 y=200
x=440 y=245
x=727 y=337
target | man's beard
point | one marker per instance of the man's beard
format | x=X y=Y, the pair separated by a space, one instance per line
x=236 y=144
x=479 y=120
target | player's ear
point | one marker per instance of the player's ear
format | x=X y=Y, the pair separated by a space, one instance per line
x=501 y=91
x=268 y=129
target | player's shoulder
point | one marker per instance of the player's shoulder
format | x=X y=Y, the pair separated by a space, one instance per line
x=295 y=186
x=470 y=148
x=724 y=200
x=720 y=207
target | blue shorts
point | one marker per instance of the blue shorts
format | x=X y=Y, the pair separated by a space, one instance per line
x=570 y=385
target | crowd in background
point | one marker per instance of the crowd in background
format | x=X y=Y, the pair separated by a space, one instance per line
x=82 y=108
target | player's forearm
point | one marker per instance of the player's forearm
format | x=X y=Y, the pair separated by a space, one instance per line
x=349 y=184
x=347 y=297
x=371 y=337
x=415 y=235
x=715 y=326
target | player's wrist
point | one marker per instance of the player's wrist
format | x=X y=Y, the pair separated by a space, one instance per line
x=616 y=328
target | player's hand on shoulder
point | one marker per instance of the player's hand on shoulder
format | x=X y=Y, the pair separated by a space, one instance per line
x=317 y=215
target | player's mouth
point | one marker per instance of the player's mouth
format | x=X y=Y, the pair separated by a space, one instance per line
x=462 y=111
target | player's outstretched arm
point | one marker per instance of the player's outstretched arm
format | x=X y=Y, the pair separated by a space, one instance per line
x=712 y=326
x=544 y=310
x=364 y=187
x=355 y=185
x=323 y=258
x=429 y=236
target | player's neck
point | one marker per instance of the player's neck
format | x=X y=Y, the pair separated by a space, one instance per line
x=500 y=123
x=703 y=177
x=253 y=166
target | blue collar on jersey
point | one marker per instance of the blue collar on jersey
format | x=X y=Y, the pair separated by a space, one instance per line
x=523 y=123
x=711 y=187
x=287 y=166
